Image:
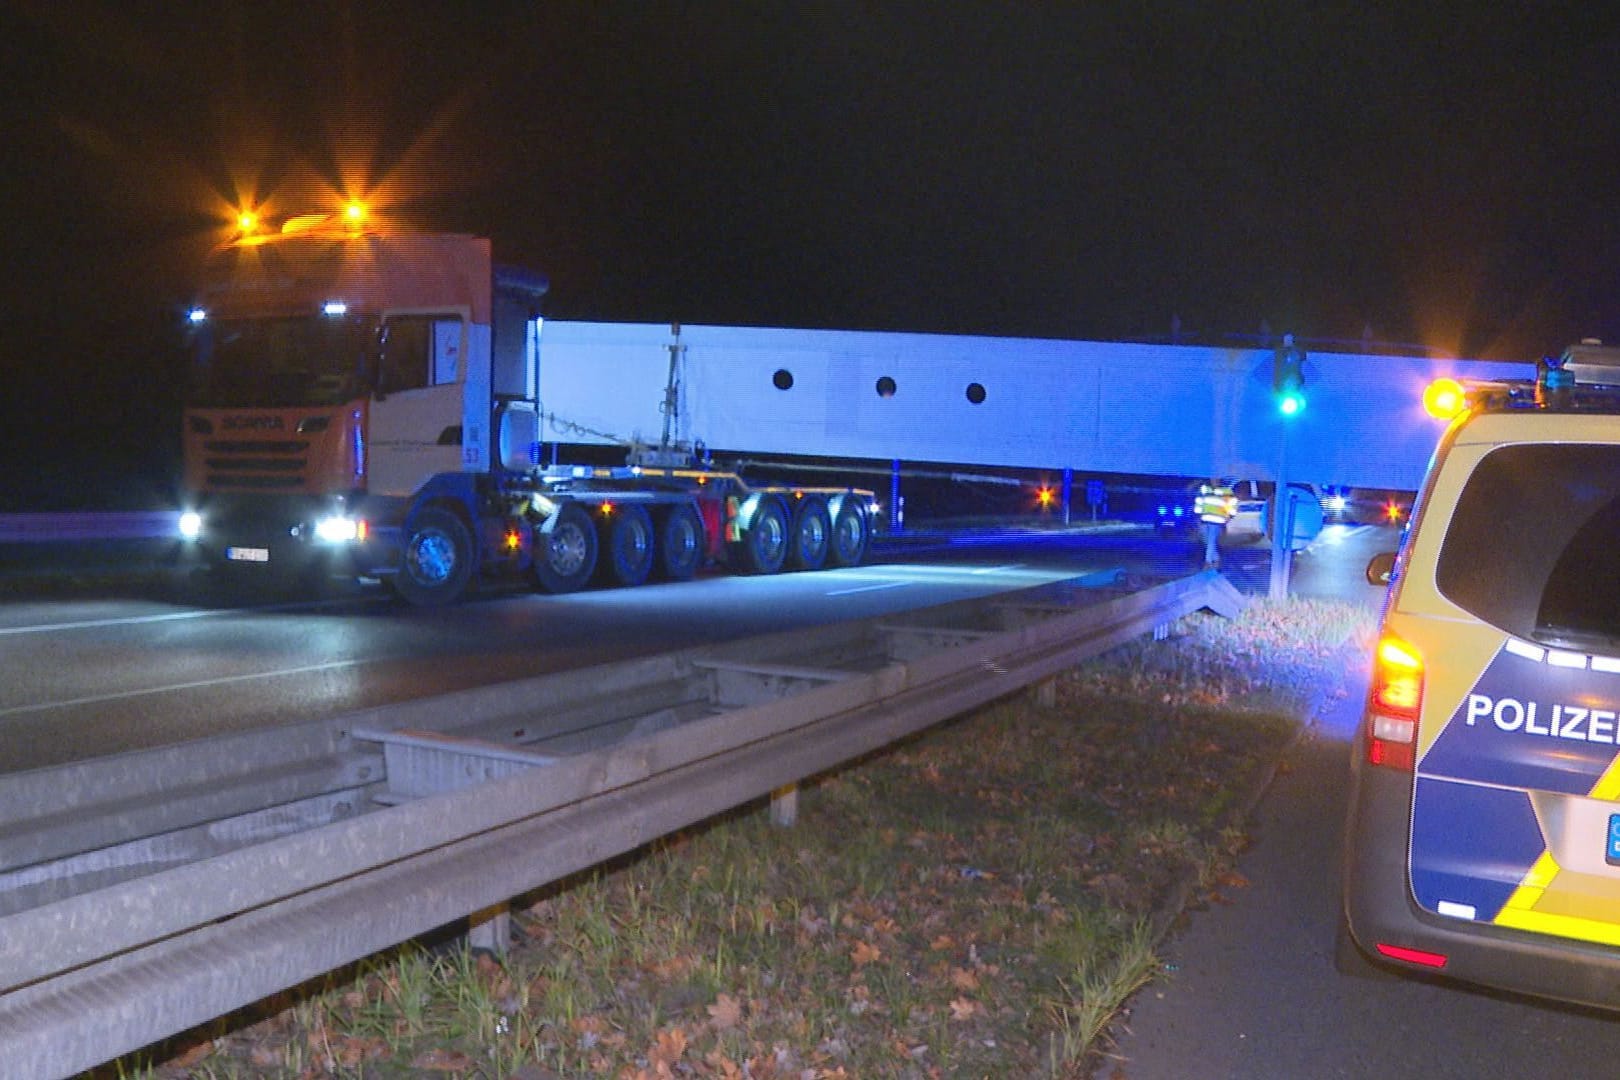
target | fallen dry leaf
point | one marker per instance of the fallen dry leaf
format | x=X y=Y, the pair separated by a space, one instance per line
x=725 y=1013
x=437 y=1060
x=864 y=953
x=669 y=1047
x=197 y=1053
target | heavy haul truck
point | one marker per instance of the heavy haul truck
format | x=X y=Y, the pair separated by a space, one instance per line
x=366 y=404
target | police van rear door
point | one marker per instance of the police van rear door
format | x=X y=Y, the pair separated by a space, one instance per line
x=1516 y=798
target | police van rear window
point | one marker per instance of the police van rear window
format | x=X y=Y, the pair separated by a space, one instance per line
x=1533 y=546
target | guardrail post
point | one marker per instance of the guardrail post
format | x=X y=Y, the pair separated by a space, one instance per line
x=490 y=930
x=1044 y=694
x=785 y=806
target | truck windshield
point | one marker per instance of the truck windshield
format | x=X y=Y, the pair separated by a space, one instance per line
x=280 y=363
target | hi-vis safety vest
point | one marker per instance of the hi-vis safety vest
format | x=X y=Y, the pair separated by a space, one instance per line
x=1215 y=505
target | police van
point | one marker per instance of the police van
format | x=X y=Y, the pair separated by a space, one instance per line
x=1483 y=833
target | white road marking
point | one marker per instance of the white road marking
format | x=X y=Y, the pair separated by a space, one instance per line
x=17 y=710
x=1338 y=534
x=176 y=616
x=122 y=620
x=870 y=588
x=916 y=575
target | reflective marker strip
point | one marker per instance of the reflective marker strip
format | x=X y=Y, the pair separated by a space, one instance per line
x=1455 y=910
x=1529 y=652
x=1562 y=658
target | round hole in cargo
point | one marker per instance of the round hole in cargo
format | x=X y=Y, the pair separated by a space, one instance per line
x=783 y=379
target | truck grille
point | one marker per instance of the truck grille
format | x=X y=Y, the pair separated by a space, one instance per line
x=278 y=465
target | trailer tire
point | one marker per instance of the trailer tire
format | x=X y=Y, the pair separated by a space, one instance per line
x=565 y=550
x=851 y=533
x=681 y=543
x=628 y=535
x=812 y=535
x=765 y=543
x=437 y=561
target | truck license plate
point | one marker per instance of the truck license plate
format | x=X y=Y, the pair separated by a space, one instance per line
x=239 y=554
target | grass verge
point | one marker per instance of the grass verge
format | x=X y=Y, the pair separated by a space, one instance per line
x=978 y=901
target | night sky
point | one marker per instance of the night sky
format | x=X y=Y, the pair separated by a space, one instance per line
x=1446 y=177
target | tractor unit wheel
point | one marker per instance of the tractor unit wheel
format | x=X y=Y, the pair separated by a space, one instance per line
x=437 y=562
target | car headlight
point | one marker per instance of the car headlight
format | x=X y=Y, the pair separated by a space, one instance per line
x=190 y=525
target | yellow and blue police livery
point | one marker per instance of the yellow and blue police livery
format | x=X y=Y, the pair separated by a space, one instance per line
x=1536 y=735
x=1483 y=835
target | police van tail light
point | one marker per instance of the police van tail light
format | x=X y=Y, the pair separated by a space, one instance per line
x=1392 y=707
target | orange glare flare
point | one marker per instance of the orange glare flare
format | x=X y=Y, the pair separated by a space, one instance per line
x=1444 y=398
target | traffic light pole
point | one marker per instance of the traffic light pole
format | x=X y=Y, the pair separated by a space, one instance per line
x=1282 y=524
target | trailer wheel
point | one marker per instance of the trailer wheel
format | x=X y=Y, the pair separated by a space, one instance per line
x=812 y=535
x=438 y=559
x=628 y=534
x=565 y=550
x=680 y=544
x=851 y=533
x=765 y=544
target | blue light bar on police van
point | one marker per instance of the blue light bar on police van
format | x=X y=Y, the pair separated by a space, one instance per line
x=196 y=315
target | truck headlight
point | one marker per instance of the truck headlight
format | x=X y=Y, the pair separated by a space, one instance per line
x=190 y=525
x=339 y=530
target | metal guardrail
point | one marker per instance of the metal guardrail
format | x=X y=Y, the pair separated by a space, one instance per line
x=119 y=525
x=143 y=894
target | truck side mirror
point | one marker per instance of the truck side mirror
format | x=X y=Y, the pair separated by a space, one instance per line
x=1380 y=568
